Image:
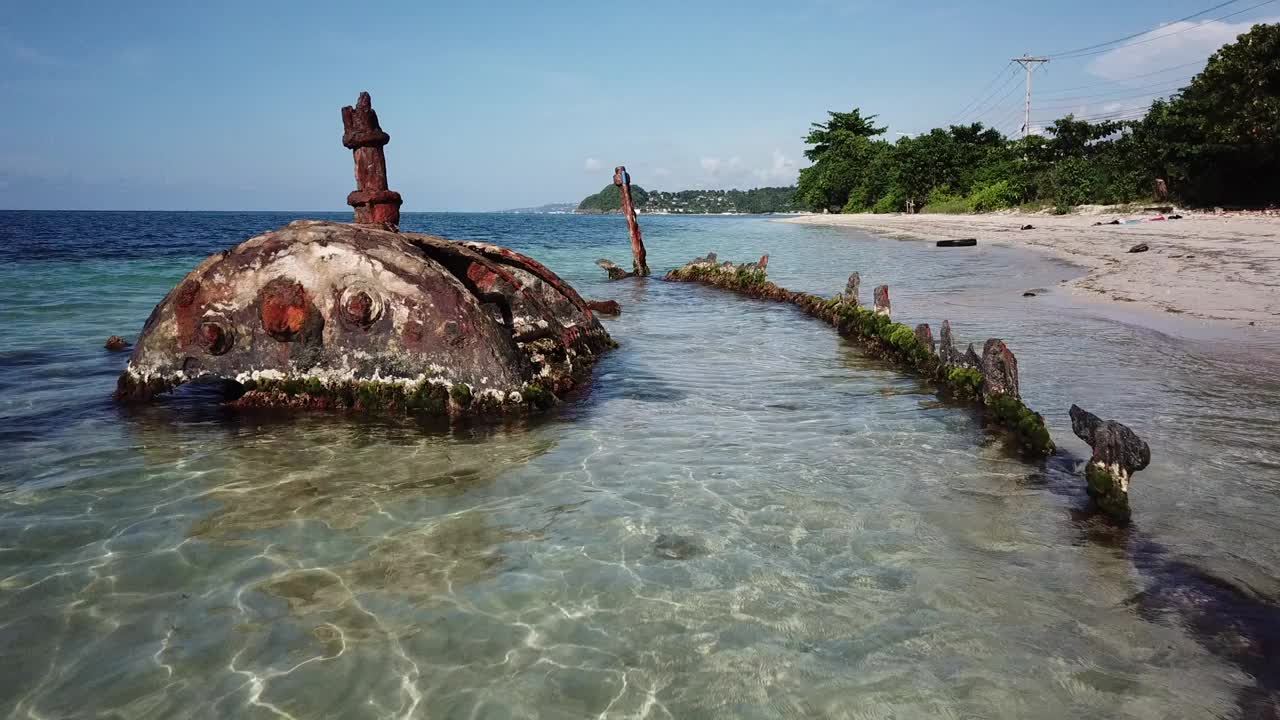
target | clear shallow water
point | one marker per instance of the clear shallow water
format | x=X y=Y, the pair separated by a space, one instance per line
x=741 y=517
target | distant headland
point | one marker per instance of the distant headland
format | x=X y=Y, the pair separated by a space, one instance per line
x=548 y=209
x=694 y=202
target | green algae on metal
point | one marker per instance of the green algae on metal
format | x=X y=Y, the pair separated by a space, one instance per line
x=881 y=337
x=431 y=396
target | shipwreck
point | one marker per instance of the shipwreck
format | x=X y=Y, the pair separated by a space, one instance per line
x=362 y=316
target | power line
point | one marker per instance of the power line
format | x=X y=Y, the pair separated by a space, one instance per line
x=1113 y=96
x=1153 y=38
x=979 y=113
x=1172 y=83
x=992 y=106
x=985 y=107
x=1009 y=123
x=1080 y=111
x=1004 y=117
x=960 y=116
x=1138 y=34
x=984 y=103
x=1121 y=43
x=1110 y=115
x=1115 y=115
x=1117 y=81
x=1117 y=111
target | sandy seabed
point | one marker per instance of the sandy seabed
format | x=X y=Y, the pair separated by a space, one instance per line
x=1210 y=267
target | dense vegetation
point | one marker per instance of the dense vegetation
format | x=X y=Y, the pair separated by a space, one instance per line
x=757 y=200
x=610 y=199
x=1217 y=141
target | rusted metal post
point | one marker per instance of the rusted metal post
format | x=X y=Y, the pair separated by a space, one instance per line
x=850 y=294
x=373 y=202
x=881 y=297
x=622 y=179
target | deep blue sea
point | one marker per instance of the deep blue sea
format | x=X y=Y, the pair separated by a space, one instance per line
x=740 y=516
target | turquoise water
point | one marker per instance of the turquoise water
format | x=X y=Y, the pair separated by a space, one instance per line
x=741 y=516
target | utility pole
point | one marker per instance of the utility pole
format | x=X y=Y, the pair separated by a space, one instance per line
x=1028 y=63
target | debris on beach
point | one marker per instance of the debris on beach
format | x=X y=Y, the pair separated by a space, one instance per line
x=1118 y=453
x=963 y=242
x=1140 y=248
x=989 y=381
x=360 y=316
x=639 y=261
x=1139 y=221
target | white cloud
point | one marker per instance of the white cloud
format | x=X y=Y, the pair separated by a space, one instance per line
x=1167 y=46
x=781 y=171
x=737 y=172
x=661 y=172
x=592 y=164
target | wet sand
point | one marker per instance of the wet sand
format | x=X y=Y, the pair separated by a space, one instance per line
x=1208 y=267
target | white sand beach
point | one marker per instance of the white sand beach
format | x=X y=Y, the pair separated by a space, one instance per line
x=1213 y=267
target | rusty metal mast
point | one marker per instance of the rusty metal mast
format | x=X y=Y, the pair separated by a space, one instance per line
x=373 y=202
x=640 y=265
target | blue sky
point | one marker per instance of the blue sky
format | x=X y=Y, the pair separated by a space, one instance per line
x=492 y=105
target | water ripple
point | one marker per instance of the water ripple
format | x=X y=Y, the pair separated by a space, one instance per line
x=742 y=516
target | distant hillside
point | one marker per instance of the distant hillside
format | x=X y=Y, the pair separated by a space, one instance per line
x=756 y=200
x=609 y=200
x=548 y=209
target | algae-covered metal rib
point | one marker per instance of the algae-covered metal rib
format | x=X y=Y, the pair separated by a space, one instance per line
x=1118 y=453
x=989 y=380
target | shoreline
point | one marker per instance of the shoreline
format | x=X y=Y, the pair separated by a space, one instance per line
x=1219 y=269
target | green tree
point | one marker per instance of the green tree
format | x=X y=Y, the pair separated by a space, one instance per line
x=842 y=151
x=1218 y=141
x=1077 y=138
x=822 y=136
